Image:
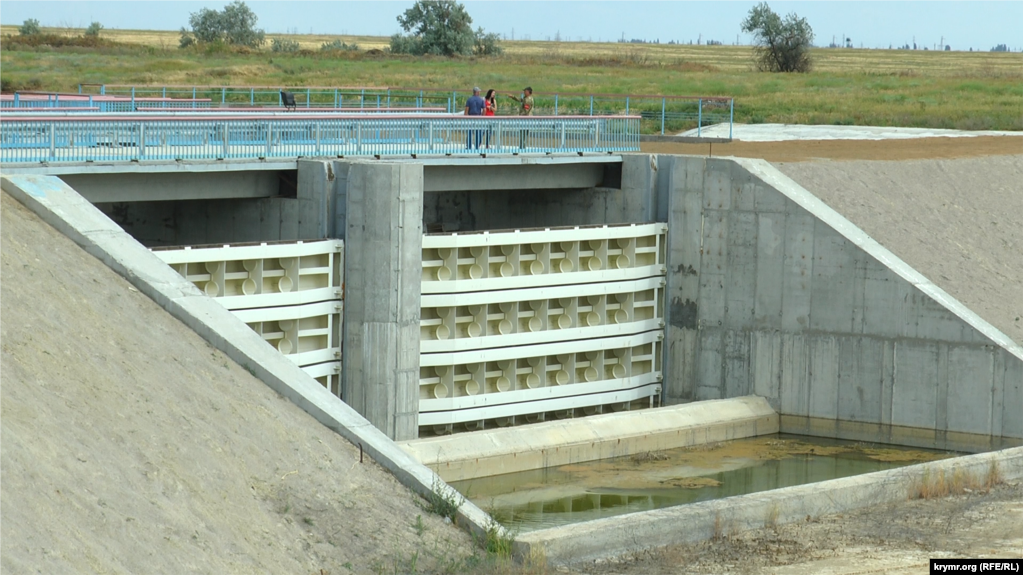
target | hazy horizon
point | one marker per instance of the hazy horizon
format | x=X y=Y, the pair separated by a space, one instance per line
x=962 y=25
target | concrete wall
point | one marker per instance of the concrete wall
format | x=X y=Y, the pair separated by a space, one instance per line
x=772 y=293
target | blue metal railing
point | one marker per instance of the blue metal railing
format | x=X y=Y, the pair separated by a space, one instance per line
x=663 y=114
x=137 y=137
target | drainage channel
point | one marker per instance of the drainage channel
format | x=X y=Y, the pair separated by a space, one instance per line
x=554 y=496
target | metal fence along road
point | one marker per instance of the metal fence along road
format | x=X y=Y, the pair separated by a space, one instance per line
x=208 y=136
x=660 y=114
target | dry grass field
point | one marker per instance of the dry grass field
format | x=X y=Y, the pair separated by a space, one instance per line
x=961 y=90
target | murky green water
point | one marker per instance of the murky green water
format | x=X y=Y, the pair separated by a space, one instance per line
x=555 y=496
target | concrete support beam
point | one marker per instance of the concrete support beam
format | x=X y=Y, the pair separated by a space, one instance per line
x=441 y=178
x=177 y=186
x=383 y=271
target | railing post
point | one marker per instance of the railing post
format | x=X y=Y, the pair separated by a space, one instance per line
x=699 y=117
x=269 y=138
x=429 y=134
x=626 y=105
x=664 y=102
x=164 y=92
x=556 y=106
x=362 y=99
x=388 y=98
x=252 y=96
x=223 y=95
x=103 y=89
x=378 y=101
x=335 y=98
x=224 y=141
x=142 y=140
x=307 y=94
x=497 y=137
x=17 y=99
x=53 y=140
x=358 y=136
x=193 y=94
x=420 y=98
x=317 y=138
x=133 y=97
x=591 y=105
x=280 y=99
x=454 y=103
x=731 y=116
x=79 y=88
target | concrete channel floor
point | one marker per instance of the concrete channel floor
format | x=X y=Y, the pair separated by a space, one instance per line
x=130 y=445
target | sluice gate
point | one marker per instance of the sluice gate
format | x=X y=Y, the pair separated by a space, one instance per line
x=290 y=293
x=518 y=326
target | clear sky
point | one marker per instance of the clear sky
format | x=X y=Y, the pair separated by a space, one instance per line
x=960 y=24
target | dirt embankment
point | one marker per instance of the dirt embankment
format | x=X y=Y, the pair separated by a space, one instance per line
x=132 y=446
x=897 y=539
x=959 y=222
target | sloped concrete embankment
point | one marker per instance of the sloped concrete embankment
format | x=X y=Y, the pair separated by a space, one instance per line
x=70 y=214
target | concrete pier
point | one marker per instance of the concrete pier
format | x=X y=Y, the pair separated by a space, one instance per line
x=383 y=263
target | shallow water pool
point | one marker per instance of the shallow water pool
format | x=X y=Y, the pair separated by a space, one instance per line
x=572 y=493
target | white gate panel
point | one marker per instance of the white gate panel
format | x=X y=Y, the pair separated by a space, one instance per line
x=534 y=258
x=517 y=326
x=288 y=292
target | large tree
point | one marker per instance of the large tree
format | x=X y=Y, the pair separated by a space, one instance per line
x=236 y=24
x=779 y=45
x=441 y=27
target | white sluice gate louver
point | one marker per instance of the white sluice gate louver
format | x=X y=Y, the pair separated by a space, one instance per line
x=520 y=325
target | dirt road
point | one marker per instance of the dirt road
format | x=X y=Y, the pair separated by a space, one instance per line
x=842 y=150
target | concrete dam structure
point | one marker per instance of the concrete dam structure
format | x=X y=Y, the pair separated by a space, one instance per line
x=766 y=290
x=468 y=296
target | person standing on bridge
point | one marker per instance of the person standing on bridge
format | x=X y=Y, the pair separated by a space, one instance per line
x=474 y=106
x=525 y=109
x=490 y=110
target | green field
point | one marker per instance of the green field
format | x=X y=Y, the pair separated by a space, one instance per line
x=962 y=90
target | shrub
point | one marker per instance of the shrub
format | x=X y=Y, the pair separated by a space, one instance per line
x=29 y=27
x=487 y=44
x=339 y=46
x=779 y=45
x=278 y=45
x=93 y=29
